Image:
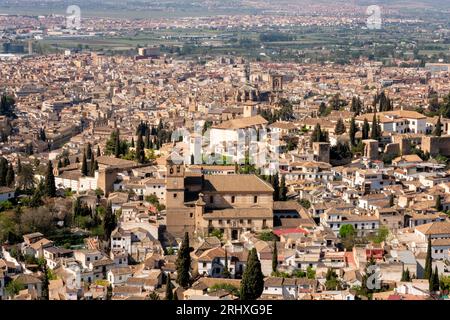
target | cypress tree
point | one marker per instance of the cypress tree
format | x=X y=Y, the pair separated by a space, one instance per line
x=322 y=109
x=340 y=127
x=374 y=132
x=226 y=272
x=428 y=262
x=109 y=292
x=84 y=167
x=19 y=166
x=89 y=151
x=45 y=283
x=252 y=283
x=276 y=187
x=66 y=161
x=434 y=281
x=60 y=164
x=147 y=139
x=140 y=152
x=109 y=223
x=132 y=142
x=50 y=187
x=365 y=130
x=169 y=288
x=10 y=177
x=438 y=128
x=283 y=189
x=92 y=165
x=352 y=132
x=3 y=171
x=183 y=262
x=274 y=257
x=98 y=151
x=438 y=204
x=117 y=144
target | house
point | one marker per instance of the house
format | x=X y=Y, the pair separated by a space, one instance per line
x=119 y=275
x=212 y=262
x=53 y=255
x=417 y=287
x=276 y=288
x=30 y=283
x=434 y=230
x=6 y=193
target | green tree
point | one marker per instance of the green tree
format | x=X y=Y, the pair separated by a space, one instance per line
x=45 y=283
x=438 y=203
x=84 y=167
x=50 y=187
x=322 y=109
x=13 y=288
x=183 y=262
x=434 y=280
x=109 y=222
x=3 y=171
x=92 y=165
x=169 y=288
x=428 y=262
x=346 y=230
x=252 y=283
x=109 y=292
x=340 y=127
x=283 y=189
x=352 y=132
x=275 y=257
x=89 y=151
x=140 y=152
x=226 y=272
x=98 y=152
x=382 y=234
x=310 y=273
x=375 y=133
x=365 y=130
x=406 y=275
x=305 y=203
x=276 y=187
x=10 y=176
x=332 y=281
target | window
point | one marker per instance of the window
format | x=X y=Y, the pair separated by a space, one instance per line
x=211 y=199
x=220 y=221
x=255 y=199
x=233 y=198
x=228 y=221
x=174 y=195
x=249 y=221
x=178 y=169
x=190 y=215
x=204 y=264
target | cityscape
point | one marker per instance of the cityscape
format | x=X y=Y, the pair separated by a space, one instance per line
x=230 y=150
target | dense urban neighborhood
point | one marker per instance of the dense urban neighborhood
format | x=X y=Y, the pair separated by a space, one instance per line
x=165 y=172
